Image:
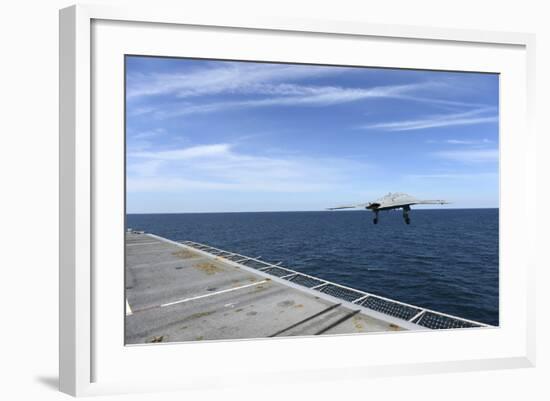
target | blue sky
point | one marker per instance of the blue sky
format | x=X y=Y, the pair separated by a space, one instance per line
x=220 y=136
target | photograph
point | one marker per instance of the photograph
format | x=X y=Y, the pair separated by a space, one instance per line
x=269 y=199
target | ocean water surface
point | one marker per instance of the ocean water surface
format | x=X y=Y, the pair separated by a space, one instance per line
x=446 y=259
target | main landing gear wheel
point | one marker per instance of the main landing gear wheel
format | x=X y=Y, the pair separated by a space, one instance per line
x=406 y=217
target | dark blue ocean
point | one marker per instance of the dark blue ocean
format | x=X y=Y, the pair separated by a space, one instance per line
x=446 y=260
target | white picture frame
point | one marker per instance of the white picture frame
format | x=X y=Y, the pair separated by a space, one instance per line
x=82 y=322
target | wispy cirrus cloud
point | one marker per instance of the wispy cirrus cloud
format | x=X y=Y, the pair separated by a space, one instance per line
x=221 y=166
x=301 y=96
x=223 y=78
x=469 y=155
x=483 y=141
x=147 y=134
x=185 y=153
x=477 y=116
x=263 y=85
x=454 y=176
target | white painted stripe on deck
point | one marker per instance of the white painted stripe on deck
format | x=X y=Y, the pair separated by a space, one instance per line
x=128 y=309
x=213 y=293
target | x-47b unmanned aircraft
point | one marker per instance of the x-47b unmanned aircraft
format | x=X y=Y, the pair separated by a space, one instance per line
x=396 y=200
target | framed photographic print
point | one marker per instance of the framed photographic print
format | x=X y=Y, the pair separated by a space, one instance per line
x=258 y=189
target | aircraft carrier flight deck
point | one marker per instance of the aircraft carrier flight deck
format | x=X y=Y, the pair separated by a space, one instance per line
x=186 y=291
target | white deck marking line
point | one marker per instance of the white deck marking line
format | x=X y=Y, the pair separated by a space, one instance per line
x=128 y=309
x=144 y=243
x=212 y=293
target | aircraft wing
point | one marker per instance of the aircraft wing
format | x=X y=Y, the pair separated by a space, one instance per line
x=362 y=205
x=432 y=202
x=396 y=204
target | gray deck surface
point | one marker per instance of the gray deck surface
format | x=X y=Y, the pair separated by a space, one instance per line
x=159 y=272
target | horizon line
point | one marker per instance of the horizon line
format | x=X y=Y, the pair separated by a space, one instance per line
x=307 y=211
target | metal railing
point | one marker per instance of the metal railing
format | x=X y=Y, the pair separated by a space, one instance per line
x=414 y=314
